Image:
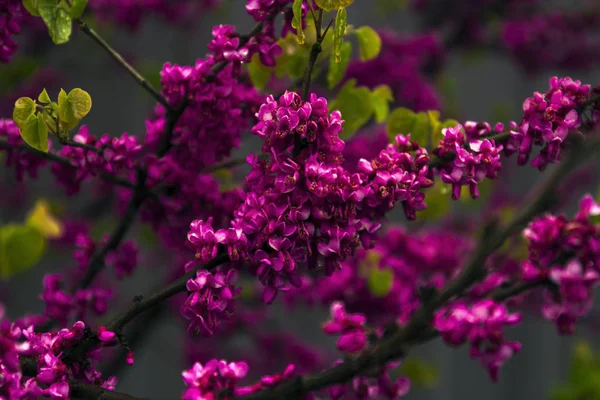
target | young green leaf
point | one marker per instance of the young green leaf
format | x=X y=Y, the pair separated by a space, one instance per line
x=24 y=108
x=57 y=19
x=297 y=20
x=381 y=97
x=35 y=133
x=41 y=219
x=259 y=73
x=325 y=5
x=420 y=373
x=32 y=7
x=44 y=98
x=73 y=107
x=421 y=130
x=380 y=281
x=356 y=107
x=21 y=247
x=77 y=8
x=369 y=43
x=401 y=120
x=338 y=70
x=338 y=34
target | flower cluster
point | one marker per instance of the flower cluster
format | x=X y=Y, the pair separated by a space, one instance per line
x=350 y=327
x=114 y=155
x=61 y=305
x=41 y=355
x=11 y=13
x=210 y=300
x=210 y=380
x=481 y=324
x=123 y=259
x=22 y=161
x=475 y=158
x=548 y=119
x=415 y=260
x=308 y=209
x=567 y=252
x=403 y=63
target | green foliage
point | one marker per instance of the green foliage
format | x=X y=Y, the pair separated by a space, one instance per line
x=380 y=281
x=339 y=32
x=338 y=70
x=35 y=120
x=326 y=5
x=297 y=20
x=369 y=43
x=425 y=128
x=420 y=373
x=57 y=15
x=23 y=245
x=57 y=18
x=381 y=97
x=259 y=73
x=439 y=202
x=584 y=376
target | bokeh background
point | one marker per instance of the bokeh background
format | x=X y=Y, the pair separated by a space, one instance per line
x=485 y=84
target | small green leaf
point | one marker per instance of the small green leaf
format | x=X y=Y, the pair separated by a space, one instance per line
x=380 y=281
x=339 y=32
x=35 y=133
x=325 y=5
x=57 y=19
x=355 y=105
x=421 y=131
x=259 y=73
x=338 y=70
x=41 y=219
x=78 y=8
x=381 y=97
x=73 y=107
x=401 y=120
x=44 y=98
x=369 y=43
x=420 y=373
x=439 y=202
x=24 y=108
x=297 y=20
x=21 y=247
x=32 y=7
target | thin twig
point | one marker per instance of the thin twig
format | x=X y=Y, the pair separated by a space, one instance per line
x=85 y=28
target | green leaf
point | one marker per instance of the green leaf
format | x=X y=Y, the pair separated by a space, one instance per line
x=24 y=108
x=439 y=202
x=78 y=8
x=421 y=131
x=41 y=219
x=44 y=98
x=380 y=281
x=381 y=97
x=401 y=120
x=338 y=33
x=420 y=373
x=21 y=247
x=35 y=133
x=338 y=70
x=369 y=43
x=57 y=19
x=325 y=5
x=73 y=107
x=355 y=105
x=32 y=7
x=297 y=20
x=259 y=73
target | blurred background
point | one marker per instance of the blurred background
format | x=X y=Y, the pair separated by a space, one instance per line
x=475 y=75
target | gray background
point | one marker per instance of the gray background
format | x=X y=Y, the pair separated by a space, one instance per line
x=120 y=105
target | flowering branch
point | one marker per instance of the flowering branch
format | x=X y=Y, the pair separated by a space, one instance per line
x=418 y=329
